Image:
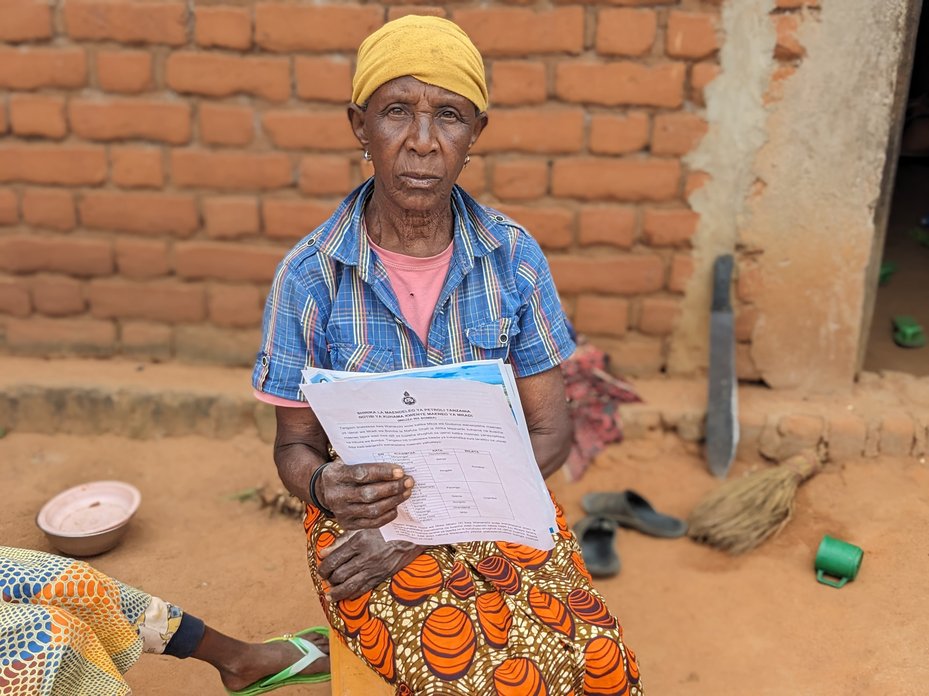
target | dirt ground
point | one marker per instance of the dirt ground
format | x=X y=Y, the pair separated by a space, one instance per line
x=702 y=623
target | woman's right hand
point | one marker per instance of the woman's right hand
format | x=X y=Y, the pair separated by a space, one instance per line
x=363 y=496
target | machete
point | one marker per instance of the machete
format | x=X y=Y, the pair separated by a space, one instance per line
x=722 y=421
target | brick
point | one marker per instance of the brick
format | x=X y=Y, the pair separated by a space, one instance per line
x=61 y=336
x=9 y=207
x=775 y=91
x=219 y=75
x=682 y=268
x=286 y=218
x=746 y=318
x=635 y=355
x=631 y=274
x=749 y=283
x=691 y=35
x=213 y=345
x=38 y=115
x=520 y=179
x=4 y=121
x=846 y=436
x=146 y=340
x=57 y=296
x=598 y=178
x=898 y=433
x=35 y=68
x=218 y=261
x=127 y=72
x=552 y=226
x=473 y=178
x=127 y=22
x=788 y=47
x=14 y=298
x=618 y=135
x=122 y=119
x=745 y=368
x=318 y=130
x=512 y=31
x=556 y=130
x=701 y=75
x=141 y=213
x=322 y=175
x=669 y=226
x=626 y=32
x=160 y=300
x=142 y=258
x=234 y=306
x=137 y=167
x=397 y=12
x=230 y=170
x=223 y=124
x=323 y=79
x=694 y=182
x=658 y=316
x=621 y=83
x=798 y=432
x=677 y=134
x=518 y=82
x=224 y=27
x=601 y=316
x=231 y=216
x=78 y=257
x=49 y=208
x=607 y=224
x=320 y=29
x=25 y=20
x=67 y=165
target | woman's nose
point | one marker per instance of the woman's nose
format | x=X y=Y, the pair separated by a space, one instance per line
x=421 y=138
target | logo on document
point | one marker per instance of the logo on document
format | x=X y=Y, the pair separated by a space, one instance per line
x=407 y=399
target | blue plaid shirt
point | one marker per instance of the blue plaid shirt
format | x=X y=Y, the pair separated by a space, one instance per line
x=331 y=304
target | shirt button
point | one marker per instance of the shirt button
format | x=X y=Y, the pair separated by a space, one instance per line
x=504 y=338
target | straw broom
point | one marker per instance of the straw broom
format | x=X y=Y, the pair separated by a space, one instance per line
x=744 y=512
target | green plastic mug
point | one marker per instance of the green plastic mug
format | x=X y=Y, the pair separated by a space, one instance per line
x=837 y=559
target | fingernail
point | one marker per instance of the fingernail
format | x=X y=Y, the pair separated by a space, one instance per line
x=398 y=473
x=408 y=483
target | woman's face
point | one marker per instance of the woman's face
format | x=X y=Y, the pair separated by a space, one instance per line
x=418 y=136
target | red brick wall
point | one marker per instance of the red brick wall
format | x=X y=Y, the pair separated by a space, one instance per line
x=156 y=160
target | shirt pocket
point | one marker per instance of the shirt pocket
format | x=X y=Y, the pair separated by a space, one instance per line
x=491 y=340
x=360 y=357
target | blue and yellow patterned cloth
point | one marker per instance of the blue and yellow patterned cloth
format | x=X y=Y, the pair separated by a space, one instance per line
x=66 y=628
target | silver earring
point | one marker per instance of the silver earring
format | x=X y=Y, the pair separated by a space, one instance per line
x=366 y=156
x=467 y=159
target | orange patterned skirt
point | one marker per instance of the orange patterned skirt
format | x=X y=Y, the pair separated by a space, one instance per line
x=484 y=618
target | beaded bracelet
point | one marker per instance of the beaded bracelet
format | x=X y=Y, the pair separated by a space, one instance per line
x=315 y=500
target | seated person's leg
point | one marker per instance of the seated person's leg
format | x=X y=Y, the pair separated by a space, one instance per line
x=94 y=624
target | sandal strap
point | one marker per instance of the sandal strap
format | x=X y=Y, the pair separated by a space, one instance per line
x=310 y=654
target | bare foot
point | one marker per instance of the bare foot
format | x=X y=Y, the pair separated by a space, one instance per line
x=260 y=660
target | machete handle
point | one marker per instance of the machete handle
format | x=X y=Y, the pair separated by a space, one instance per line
x=722 y=279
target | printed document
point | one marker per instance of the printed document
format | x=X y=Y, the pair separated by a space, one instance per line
x=459 y=431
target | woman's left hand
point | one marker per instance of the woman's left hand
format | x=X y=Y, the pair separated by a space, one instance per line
x=362 y=562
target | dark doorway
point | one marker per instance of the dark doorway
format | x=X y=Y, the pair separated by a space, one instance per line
x=904 y=288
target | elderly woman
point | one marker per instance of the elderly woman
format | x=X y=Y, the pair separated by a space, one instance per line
x=411 y=271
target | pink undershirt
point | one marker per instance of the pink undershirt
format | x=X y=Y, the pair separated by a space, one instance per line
x=417 y=283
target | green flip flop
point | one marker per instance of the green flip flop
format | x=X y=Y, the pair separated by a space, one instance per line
x=908 y=333
x=291 y=675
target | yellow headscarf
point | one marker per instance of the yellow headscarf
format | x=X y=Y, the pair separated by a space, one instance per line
x=431 y=49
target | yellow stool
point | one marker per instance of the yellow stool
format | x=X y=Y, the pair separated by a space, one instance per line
x=351 y=676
